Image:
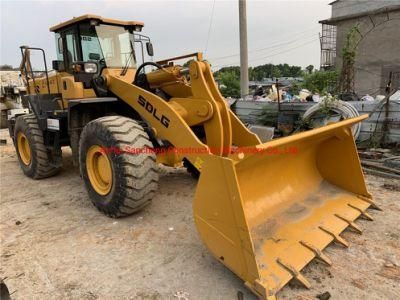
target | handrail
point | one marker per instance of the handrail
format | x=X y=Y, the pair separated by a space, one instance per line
x=26 y=60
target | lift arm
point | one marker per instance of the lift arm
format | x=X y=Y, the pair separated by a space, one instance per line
x=171 y=120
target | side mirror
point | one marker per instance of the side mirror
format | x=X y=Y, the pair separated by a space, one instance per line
x=58 y=65
x=149 y=48
x=94 y=56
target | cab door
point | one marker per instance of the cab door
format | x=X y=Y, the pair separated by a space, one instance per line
x=72 y=49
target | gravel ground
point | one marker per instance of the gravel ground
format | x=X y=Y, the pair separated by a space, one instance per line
x=56 y=245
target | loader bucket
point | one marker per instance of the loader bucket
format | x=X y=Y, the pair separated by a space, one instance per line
x=266 y=216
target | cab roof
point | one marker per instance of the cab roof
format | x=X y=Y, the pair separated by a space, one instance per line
x=97 y=18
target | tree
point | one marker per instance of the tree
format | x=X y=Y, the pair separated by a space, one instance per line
x=235 y=70
x=6 y=68
x=310 y=69
x=276 y=72
x=270 y=70
x=229 y=77
x=321 y=82
x=231 y=83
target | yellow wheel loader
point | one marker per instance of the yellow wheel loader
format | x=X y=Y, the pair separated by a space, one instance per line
x=263 y=211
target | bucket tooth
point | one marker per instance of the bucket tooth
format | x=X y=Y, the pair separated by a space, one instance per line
x=351 y=224
x=260 y=290
x=338 y=239
x=364 y=214
x=318 y=253
x=296 y=274
x=369 y=200
x=267 y=233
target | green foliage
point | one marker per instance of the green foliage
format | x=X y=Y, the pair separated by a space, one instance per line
x=233 y=70
x=303 y=125
x=350 y=47
x=327 y=104
x=268 y=116
x=230 y=76
x=321 y=82
x=349 y=50
x=295 y=88
x=310 y=69
x=276 y=72
x=318 y=81
x=231 y=80
x=270 y=70
x=325 y=111
x=6 y=68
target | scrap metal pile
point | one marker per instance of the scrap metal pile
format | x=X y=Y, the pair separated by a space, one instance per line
x=380 y=162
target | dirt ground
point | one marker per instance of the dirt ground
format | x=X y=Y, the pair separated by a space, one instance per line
x=56 y=245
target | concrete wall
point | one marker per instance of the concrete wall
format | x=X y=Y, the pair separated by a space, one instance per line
x=348 y=7
x=378 y=51
x=249 y=112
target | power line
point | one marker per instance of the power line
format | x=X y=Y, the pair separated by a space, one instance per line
x=274 y=45
x=288 y=50
x=209 y=28
x=267 y=48
x=272 y=55
x=288 y=34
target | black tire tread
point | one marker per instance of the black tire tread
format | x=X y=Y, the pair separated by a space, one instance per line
x=43 y=168
x=138 y=172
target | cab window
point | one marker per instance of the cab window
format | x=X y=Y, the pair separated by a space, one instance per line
x=60 y=51
x=91 y=50
x=72 y=46
x=116 y=46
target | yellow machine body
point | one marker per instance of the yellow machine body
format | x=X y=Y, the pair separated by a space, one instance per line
x=263 y=210
x=267 y=214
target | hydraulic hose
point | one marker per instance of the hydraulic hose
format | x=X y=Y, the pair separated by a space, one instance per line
x=345 y=109
x=142 y=66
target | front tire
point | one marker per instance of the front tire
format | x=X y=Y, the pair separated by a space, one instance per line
x=32 y=154
x=119 y=182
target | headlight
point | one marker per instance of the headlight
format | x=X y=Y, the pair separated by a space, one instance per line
x=90 y=68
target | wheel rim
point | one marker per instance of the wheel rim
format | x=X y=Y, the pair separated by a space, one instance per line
x=99 y=170
x=24 y=148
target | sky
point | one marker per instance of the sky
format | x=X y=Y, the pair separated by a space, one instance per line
x=278 y=31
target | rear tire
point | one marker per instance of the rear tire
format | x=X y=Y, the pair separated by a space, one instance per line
x=32 y=153
x=131 y=180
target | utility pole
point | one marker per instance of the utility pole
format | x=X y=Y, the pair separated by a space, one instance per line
x=244 y=65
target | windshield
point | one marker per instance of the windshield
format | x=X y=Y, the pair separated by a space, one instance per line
x=111 y=46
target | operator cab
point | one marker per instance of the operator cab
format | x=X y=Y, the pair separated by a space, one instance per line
x=89 y=43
